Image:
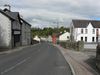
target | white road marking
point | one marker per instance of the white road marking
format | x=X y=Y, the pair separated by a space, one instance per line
x=11 y=68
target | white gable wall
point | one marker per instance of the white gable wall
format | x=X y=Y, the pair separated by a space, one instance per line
x=64 y=37
x=89 y=35
x=5 y=31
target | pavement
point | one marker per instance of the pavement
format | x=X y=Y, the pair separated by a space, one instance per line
x=41 y=59
x=16 y=49
x=81 y=63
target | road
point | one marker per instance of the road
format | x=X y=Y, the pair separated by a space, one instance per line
x=41 y=59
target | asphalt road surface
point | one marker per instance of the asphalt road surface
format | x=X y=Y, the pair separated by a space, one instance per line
x=42 y=59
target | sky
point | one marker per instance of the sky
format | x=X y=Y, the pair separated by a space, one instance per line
x=53 y=13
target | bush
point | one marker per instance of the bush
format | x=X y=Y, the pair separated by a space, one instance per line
x=73 y=45
x=80 y=45
x=63 y=44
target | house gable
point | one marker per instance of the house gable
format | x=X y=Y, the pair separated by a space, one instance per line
x=64 y=37
x=90 y=26
x=2 y=12
x=5 y=30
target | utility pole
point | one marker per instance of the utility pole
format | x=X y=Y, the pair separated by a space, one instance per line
x=56 y=23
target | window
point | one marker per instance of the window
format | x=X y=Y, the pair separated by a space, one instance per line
x=96 y=39
x=86 y=31
x=92 y=39
x=93 y=31
x=97 y=30
x=67 y=37
x=81 y=38
x=82 y=31
x=85 y=39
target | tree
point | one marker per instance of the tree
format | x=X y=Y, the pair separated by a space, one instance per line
x=48 y=31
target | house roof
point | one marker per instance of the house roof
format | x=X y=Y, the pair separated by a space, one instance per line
x=85 y=23
x=6 y=14
x=65 y=33
x=14 y=15
x=25 y=21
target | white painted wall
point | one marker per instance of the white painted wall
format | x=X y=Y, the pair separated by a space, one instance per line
x=77 y=33
x=36 y=38
x=5 y=31
x=90 y=46
x=43 y=38
x=49 y=39
x=64 y=37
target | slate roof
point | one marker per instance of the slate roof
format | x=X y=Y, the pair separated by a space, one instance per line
x=85 y=23
x=14 y=15
x=6 y=14
x=25 y=21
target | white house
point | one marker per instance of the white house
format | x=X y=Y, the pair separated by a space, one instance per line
x=43 y=38
x=64 y=37
x=85 y=30
x=36 y=38
x=49 y=38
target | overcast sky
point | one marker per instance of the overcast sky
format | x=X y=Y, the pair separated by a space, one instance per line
x=45 y=13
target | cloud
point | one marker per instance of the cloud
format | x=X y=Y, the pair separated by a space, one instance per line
x=43 y=13
x=48 y=17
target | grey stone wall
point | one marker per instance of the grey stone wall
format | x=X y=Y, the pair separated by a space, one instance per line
x=26 y=34
x=16 y=25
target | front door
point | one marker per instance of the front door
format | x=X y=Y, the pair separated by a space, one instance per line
x=16 y=40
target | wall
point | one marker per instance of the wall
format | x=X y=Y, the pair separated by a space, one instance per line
x=98 y=56
x=90 y=45
x=89 y=35
x=5 y=31
x=49 y=39
x=16 y=25
x=64 y=37
x=26 y=34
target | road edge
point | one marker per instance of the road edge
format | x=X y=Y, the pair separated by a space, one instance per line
x=71 y=67
x=17 y=49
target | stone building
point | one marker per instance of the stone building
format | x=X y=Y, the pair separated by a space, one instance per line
x=26 y=32
x=11 y=29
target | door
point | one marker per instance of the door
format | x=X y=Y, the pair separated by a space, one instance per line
x=16 y=40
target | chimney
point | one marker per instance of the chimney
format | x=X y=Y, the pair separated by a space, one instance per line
x=9 y=7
